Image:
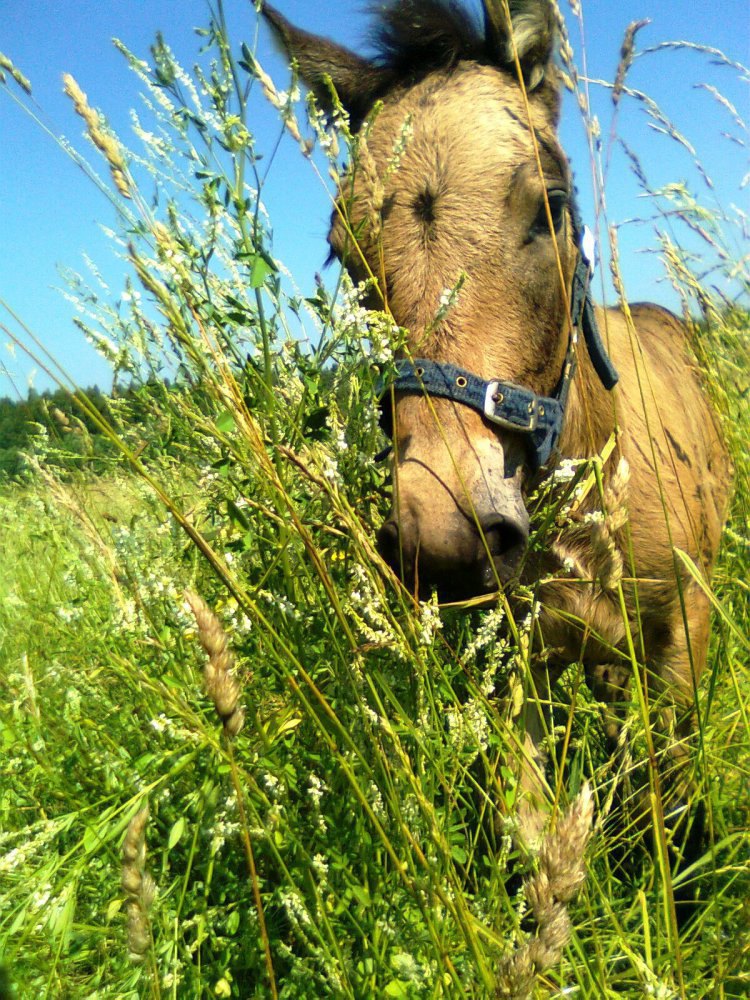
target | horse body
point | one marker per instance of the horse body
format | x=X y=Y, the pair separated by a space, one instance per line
x=675 y=498
x=461 y=185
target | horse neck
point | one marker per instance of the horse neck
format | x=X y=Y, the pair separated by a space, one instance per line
x=590 y=413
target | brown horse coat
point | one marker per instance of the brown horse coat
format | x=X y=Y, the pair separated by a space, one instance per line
x=461 y=181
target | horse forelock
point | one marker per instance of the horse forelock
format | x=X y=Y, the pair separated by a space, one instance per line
x=415 y=37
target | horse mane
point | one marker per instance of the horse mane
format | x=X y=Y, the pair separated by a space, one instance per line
x=415 y=37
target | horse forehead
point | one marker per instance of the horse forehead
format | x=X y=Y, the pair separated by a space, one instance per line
x=472 y=112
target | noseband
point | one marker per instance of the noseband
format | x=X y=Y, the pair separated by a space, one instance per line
x=505 y=404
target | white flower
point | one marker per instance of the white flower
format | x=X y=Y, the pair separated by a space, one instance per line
x=594 y=517
x=320 y=866
x=565 y=470
x=315 y=789
x=295 y=908
x=369 y=611
x=376 y=801
x=468 y=727
x=331 y=469
x=272 y=784
x=430 y=621
x=406 y=967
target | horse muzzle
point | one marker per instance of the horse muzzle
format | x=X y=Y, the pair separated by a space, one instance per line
x=461 y=557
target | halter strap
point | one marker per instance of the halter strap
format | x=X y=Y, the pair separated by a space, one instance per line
x=505 y=404
x=582 y=311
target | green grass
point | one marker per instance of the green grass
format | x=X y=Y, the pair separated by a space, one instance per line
x=369 y=803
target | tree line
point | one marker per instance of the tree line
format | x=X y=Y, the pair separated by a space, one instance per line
x=63 y=429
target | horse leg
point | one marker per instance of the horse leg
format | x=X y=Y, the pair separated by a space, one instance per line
x=609 y=683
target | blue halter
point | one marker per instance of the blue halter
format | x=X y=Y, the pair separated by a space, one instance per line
x=505 y=404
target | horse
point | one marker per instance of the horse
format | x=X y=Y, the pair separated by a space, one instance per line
x=462 y=192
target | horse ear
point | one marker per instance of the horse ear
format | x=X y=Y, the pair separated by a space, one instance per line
x=531 y=28
x=326 y=67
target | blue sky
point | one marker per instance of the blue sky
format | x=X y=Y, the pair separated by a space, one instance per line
x=50 y=213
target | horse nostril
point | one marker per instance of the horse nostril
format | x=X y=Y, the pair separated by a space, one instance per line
x=389 y=543
x=506 y=536
x=506 y=539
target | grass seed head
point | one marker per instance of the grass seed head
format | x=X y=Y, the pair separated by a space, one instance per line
x=221 y=684
x=104 y=142
x=6 y=66
x=627 y=53
x=561 y=874
x=138 y=886
x=605 y=549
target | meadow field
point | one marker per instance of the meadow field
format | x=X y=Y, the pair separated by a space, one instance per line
x=238 y=760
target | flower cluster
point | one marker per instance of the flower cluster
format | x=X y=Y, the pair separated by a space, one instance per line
x=370 y=613
x=356 y=323
x=468 y=728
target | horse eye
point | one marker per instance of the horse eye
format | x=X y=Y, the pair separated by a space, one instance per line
x=558 y=202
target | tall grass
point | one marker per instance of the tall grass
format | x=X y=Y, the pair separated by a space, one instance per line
x=238 y=760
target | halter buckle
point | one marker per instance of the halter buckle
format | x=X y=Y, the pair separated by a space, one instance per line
x=493 y=398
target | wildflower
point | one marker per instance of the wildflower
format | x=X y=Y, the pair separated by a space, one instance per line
x=399 y=146
x=430 y=621
x=565 y=470
x=448 y=299
x=593 y=517
x=331 y=469
x=320 y=867
x=406 y=967
x=338 y=435
x=357 y=323
x=468 y=727
x=376 y=801
x=280 y=603
x=370 y=614
x=315 y=789
x=41 y=897
x=295 y=908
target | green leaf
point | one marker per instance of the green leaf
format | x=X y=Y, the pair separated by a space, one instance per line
x=176 y=833
x=237 y=515
x=397 y=988
x=91 y=839
x=261 y=266
x=361 y=895
x=315 y=425
x=225 y=422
